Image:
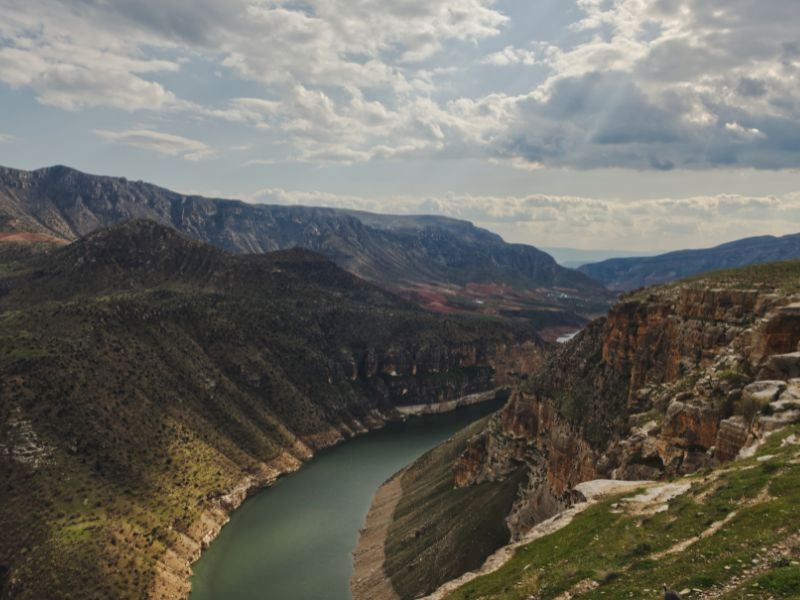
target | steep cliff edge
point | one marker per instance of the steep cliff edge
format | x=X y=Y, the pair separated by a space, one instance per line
x=672 y=380
x=148 y=382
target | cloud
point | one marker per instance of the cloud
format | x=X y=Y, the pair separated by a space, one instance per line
x=165 y=144
x=352 y=44
x=6 y=137
x=648 y=224
x=641 y=84
x=511 y=56
x=649 y=84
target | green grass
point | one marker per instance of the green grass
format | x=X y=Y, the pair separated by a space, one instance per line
x=617 y=550
x=780 y=277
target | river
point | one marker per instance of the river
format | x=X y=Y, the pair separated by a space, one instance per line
x=293 y=541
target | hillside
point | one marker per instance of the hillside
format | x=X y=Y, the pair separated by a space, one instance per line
x=444 y=264
x=625 y=274
x=149 y=381
x=674 y=383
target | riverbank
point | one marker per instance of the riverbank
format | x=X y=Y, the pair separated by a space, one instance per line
x=369 y=580
x=450 y=405
x=406 y=525
x=174 y=569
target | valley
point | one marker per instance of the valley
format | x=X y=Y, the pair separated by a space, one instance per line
x=445 y=265
x=399 y=300
x=151 y=382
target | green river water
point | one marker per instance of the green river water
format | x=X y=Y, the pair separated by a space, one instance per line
x=293 y=541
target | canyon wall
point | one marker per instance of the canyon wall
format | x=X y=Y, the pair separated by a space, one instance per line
x=672 y=380
x=664 y=385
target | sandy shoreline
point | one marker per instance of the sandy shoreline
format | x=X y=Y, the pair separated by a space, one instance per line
x=369 y=581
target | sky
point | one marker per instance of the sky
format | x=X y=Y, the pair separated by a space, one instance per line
x=634 y=125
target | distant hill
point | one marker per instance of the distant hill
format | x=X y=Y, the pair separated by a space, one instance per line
x=145 y=377
x=623 y=274
x=443 y=264
x=573 y=258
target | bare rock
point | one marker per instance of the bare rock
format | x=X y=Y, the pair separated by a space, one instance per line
x=690 y=425
x=782 y=366
x=731 y=438
x=764 y=392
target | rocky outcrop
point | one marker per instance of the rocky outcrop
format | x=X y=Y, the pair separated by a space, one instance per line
x=663 y=386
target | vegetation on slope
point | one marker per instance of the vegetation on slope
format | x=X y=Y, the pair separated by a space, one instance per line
x=143 y=375
x=445 y=264
x=733 y=535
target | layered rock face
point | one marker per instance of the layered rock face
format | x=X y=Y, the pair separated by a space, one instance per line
x=666 y=384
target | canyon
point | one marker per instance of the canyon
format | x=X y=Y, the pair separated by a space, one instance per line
x=150 y=383
x=674 y=380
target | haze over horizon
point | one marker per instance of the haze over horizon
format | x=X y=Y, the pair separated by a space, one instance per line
x=632 y=125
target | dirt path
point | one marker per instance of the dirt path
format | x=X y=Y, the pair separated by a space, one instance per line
x=765 y=559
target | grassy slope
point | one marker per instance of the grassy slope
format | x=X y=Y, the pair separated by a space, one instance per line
x=619 y=550
x=783 y=277
x=424 y=547
x=150 y=383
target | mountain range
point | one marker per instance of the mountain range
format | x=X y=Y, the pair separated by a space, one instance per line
x=444 y=264
x=625 y=274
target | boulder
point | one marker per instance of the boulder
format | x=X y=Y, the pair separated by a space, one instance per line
x=792 y=393
x=764 y=392
x=782 y=366
x=731 y=438
x=690 y=425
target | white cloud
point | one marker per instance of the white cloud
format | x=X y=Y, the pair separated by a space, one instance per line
x=166 y=144
x=511 y=56
x=592 y=223
x=5 y=138
x=663 y=84
x=644 y=84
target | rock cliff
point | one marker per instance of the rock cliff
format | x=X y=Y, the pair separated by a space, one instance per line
x=672 y=380
x=664 y=385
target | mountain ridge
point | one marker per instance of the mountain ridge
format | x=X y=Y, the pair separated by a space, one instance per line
x=444 y=264
x=628 y=273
